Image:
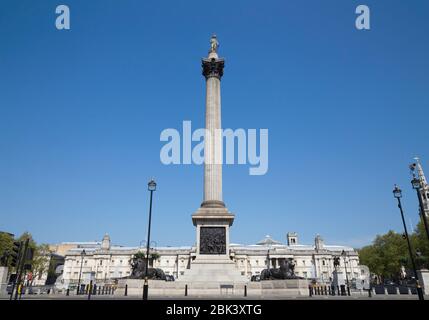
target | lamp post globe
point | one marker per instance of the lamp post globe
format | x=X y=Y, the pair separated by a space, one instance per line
x=397 y=192
x=415 y=183
x=151 y=186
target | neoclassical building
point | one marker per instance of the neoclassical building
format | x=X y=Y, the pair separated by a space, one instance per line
x=103 y=262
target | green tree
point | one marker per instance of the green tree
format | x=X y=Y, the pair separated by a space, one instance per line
x=421 y=243
x=41 y=261
x=6 y=244
x=386 y=255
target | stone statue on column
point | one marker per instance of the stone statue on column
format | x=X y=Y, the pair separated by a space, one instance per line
x=214 y=44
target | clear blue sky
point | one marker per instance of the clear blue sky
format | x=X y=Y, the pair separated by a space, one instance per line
x=81 y=112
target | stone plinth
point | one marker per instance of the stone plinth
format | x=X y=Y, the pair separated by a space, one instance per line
x=423 y=276
x=3 y=280
x=278 y=289
x=270 y=289
x=338 y=279
x=213 y=268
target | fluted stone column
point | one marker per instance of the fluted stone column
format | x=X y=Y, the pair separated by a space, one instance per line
x=213 y=71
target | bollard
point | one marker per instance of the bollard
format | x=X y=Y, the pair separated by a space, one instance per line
x=245 y=290
x=329 y=290
x=89 y=290
x=186 y=290
x=318 y=290
x=326 y=291
x=126 y=290
x=94 y=291
x=310 y=291
x=370 y=292
x=68 y=292
x=99 y=290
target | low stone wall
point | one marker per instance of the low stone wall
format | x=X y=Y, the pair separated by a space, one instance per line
x=275 y=289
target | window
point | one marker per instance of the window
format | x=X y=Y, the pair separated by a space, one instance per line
x=113 y=261
x=77 y=261
x=323 y=262
x=292 y=241
x=101 y=262
x=182 y=273
x=120 y=261
x=304 y=274
x=242 y=273
x=303 y=262
x=85 y=261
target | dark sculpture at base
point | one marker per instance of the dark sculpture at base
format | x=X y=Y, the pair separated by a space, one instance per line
x=286 y=271
x=138 y=266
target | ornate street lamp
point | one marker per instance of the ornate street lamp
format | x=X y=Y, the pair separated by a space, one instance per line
x=417 y=185
x=397 y=193
x=344 y=254
x=151 y=186
x=82 y=256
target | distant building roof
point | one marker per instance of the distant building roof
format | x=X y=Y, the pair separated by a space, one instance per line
x=267 y=241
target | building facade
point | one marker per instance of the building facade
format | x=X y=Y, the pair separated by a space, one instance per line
x=103 y=262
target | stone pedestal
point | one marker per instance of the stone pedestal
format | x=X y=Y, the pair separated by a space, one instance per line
x=338 y=279
x=278 y=289
x=3 y=280
x=212 y=261
x=270 y=289
x=423 y=276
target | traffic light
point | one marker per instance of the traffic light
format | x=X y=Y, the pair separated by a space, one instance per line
x=16 y=251
x=28 y=258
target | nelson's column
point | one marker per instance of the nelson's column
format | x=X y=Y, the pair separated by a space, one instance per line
x=212 y=219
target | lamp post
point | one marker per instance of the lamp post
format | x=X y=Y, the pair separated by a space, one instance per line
x=344 y=254
x=397 y=193
x=151 y=186
x=417 y=185
x=82 y=256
